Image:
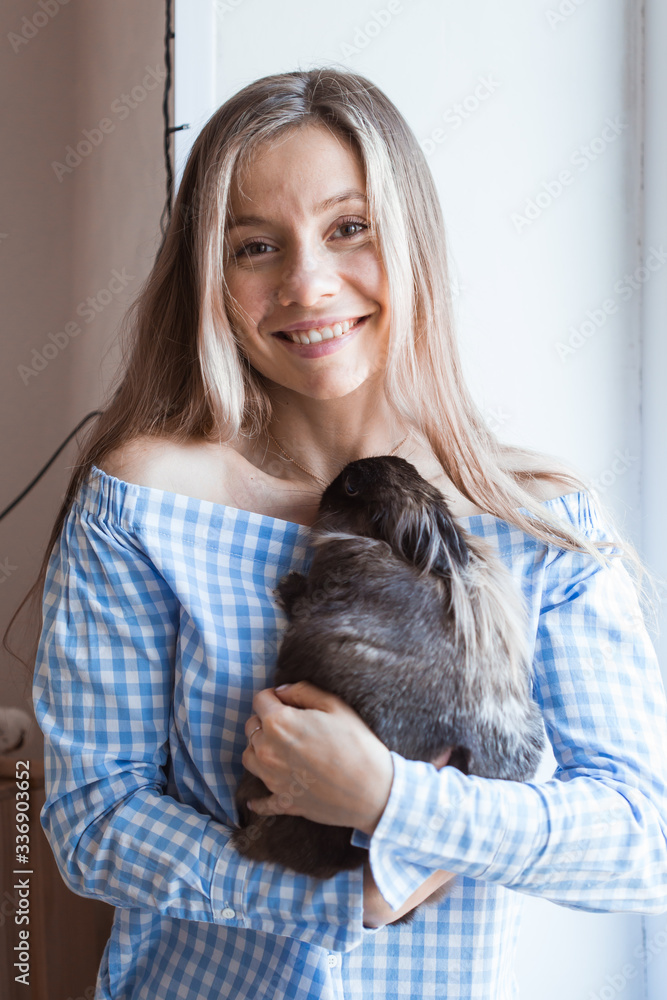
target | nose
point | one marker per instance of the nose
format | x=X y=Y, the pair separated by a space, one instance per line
x=307 y=276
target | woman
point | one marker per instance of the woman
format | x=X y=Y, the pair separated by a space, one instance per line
x=306 y=205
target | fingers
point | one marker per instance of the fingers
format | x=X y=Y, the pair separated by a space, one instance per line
x=249 y=760
x=253 y=723
x=301 y=694
x=270 y=805
x=442 y=758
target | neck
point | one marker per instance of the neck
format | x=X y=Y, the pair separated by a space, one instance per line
x=323 y=435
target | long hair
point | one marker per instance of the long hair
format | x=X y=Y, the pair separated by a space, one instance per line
x=184 y=374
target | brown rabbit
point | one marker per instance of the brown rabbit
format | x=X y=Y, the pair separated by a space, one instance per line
x=418 y=627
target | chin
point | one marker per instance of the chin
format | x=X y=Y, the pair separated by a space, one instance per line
x=337 y=384
x=337 y=390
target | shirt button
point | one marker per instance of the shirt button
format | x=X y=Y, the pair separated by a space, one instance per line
x=434 y=823
x=332 y=960
x=228 y=913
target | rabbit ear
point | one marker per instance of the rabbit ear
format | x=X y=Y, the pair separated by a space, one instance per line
x=289 y=589
x=427 y=537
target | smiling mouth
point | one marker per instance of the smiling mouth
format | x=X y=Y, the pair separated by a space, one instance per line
x=315 y=336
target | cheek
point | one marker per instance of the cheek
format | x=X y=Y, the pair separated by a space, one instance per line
x=368 y=274
x=251 y=299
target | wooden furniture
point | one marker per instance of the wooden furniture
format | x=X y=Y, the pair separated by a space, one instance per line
x=67 y=932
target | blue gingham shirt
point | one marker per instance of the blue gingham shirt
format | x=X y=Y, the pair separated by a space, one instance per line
x=160 y=624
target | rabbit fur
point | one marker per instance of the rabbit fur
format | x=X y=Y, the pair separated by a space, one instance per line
x=417 y=625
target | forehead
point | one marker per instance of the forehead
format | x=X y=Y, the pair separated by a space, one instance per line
x=301 y=169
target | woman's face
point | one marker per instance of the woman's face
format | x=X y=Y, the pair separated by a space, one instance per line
x=301 y=259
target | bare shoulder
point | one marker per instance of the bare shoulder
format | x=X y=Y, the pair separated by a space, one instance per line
x=189 y=468
x=142 y=460
x=556 y=485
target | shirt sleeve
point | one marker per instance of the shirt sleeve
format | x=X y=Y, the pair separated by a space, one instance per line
x=593 y=836
x=102 y=693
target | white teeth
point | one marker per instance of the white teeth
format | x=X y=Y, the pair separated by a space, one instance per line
x=325 y=333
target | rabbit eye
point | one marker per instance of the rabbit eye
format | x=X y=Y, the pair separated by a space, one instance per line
x=350 y=489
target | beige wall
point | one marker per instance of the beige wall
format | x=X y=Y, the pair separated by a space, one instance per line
x=64 y=234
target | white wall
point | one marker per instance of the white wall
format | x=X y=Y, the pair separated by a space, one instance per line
x=654 y=384
x=505 y=98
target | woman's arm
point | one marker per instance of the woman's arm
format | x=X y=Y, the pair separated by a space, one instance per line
x=378 y=912
x=347 y=779
x=593 y=837
x=103 y=696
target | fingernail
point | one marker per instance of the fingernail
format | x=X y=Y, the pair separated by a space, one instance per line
x=249 y=806
x=281 y=687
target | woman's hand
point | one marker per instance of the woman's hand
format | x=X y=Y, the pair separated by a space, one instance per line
x=317 y=757
x=377 y=911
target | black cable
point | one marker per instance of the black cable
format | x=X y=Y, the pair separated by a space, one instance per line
x=168 y=129
x=95 y=413
x=168 y=35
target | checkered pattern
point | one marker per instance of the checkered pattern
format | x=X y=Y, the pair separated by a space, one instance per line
x=160 y=624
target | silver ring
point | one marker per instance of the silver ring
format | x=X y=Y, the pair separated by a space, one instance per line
x=255 y=730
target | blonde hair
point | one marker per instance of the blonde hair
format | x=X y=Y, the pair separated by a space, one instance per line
x=185 y=375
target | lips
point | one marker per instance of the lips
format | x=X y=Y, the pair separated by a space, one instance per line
x=317 y=334
x=324 y=346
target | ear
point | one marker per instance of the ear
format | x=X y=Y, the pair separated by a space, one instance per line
x=460 y=759
x=289 y=589
x=428 y=537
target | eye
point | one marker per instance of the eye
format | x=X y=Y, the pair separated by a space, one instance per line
x=244 y=251
x=357 y=224
x=350 y=488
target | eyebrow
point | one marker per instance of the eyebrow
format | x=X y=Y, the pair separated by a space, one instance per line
x=257 y=220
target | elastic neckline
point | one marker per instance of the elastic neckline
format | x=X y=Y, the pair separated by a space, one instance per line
x=255 y=515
